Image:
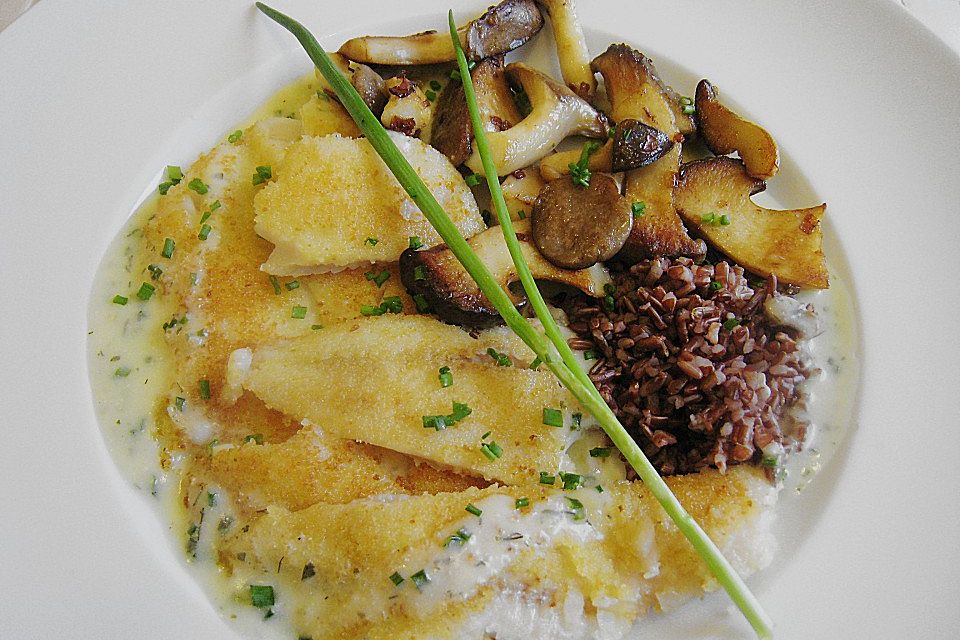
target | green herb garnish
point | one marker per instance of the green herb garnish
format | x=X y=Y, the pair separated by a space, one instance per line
x=501 y=359
x=446 y=378
x=552 y=417
x=198 y=185
x=638 y=209
x=168 y=246
x=262 y=174
x=377 y=278
x=600 y=452
x=420 y=579
x=521 y=503
x=146 y=291
x=261 y=596
x=579 y=170
x=396 y=579
x=415 y=242
x=234 y=137
x=546 y=478
x=120 y=300
x=298 y=312
x=204 y=386
x=472 y=509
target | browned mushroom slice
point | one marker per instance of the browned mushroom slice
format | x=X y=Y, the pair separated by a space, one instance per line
x=452 y=131
x=634 y=145
x=557 y=112
x=501 y=29
x=571 y=47
x=713 y=196
x=449 y=291
x=575 y=227
x=365 y=80
x=407 y=111
x=723 y=131
x=635 y=93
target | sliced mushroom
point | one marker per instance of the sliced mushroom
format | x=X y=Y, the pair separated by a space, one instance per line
x=634 y=145
x=713 y=196
x=502 y=28
x=556 y=113
x=576 y=227
x=407 y=111
x=520 y=191
x=724 y=132
x=452 y=131
x=635 y=94
x=571 y=47
x=365 y=80
x=454 y=296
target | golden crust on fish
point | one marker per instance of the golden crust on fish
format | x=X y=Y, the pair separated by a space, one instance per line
x=618 y=559
x=374 y=380
x=334 y=204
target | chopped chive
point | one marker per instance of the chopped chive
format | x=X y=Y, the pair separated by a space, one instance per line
x=638 y=208
x=396 y=579
x=521 y=503
x=685 y=100
x=370 y=310
x=600 y=452
x=234 y=137
x=436 y=86
x=316 y=327
x=724 y=220
x=579 y=170
x=599 y=488
x=708 y=218
x=419 y=272
x=552 y=417
x=298 y=312
x=211 y=445
x=577 y=418
x=146 y=291
x=612 y=133
x=546 y=478
x=371 y=241
x=420 y=579
x=446 y=378
x=206 y=216
x=487 y=217
x=263 y=174
x=486 y=435
x=589 y=354
x=308 y=571
x=121 y=300
x=421 y=301
x=472 y=180
x=609 y=304
x=174 y=173
x=430 y=94
x=204 y=389
x=688 y=109
x=168 y=246
x=377 y=278
x=458 y=539
x=522 y=214
x=204 y=232
x=771 y=461
x=179 y=402
x=715 y=286
x=256 y=438
x=392 y=304
x=276 y=284
x=571 y=481
x=198 y=185
x=536 y=363
x=438 y=423
x=731 y=323
x=293 y=284
x=577 y=508
x=491 y=450
x=121 y=372
x=211 y=499
x=473 y=509
x=415 y=242
x=261 y=596
x=501 y=359
x=460 y=411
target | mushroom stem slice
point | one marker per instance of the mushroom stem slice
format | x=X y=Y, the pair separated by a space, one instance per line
x=454 y=296
x=407 y=111
x=724 y=132
x=556 y=113
x=713 y=196
x=502 y=28
x=365 y=80
x=571 y=47
x=452 y=131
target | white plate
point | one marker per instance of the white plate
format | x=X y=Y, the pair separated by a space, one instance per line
x=96 y=97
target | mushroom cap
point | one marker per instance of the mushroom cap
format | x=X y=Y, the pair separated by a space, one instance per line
x=576 y=227
x=636 y=145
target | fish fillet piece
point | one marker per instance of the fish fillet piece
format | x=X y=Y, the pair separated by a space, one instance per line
x=312 y=467
x=374 y=379
x=334 y=204
x=549 y=569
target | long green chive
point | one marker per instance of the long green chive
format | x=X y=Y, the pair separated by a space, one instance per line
x=521 y=503
x=396 y=579
x=446 y=378
x=567 y=371
x=168 y=246
x=298 y=312
x=473 y=509
x=552 y=417
x=146 y=291
x=204 y=386
x=121 y=300
x=198 y=185
x=261 y=596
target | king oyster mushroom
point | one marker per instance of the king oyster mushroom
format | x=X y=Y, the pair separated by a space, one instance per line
x=576 y=227
x=556 y=113
x=724 y=132
x=634 y=145
x=635 y=94
x=365 y=80
x=408 y=110
x=571 y=47
x=713 y=196
x=450 y=292
x=502 y=28
x=452 y=132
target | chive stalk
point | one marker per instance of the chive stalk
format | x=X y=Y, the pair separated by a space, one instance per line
x=567 y=368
